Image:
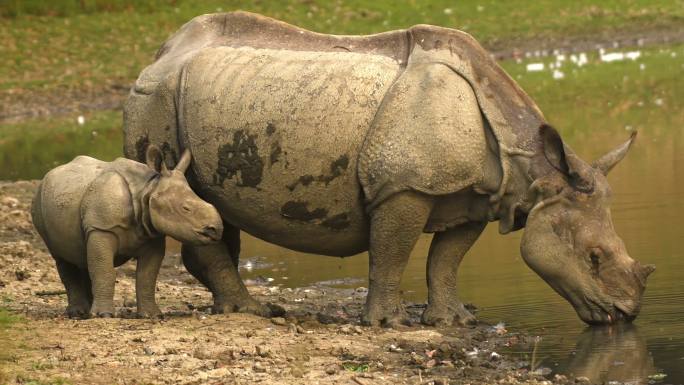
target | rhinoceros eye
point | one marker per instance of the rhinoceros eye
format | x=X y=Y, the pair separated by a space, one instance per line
x=186 y=208
x=595 y=262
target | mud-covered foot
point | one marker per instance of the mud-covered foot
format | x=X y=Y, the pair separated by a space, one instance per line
x=150 y=311
x=385 y=316
x=252 y=306
x=80 y=311
x=102 y=310
x=447 y=316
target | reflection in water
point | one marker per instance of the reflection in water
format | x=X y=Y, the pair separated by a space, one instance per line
x=611 y=353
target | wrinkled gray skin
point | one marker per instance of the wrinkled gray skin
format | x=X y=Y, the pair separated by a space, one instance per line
x=94 y=216
x=339 y=144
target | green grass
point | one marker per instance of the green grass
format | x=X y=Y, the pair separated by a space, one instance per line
x=30 y=148
x=616 y=95
x=97 y=43
x=7 y=319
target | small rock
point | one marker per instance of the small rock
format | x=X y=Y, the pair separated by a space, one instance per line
x=259 y=368
x=582 y=380
x=300 y=330
x=10 y=202
x=21 y=274
x=332 y=369
x=358 y=330
x=148 y=351
x=280 y=321
x=263 y=351
x=292 y=328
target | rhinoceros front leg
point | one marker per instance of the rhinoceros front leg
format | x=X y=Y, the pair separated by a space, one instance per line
x=446 y=252
x=147 y=270
x=395 y=227
x=101 y=248
x=215 y=267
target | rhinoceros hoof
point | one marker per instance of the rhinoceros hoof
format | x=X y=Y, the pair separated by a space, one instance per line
x=78 y=311
x=442 y=317
x=390 y=319
x=150 y=313
x=106 y=311
x=253 y=307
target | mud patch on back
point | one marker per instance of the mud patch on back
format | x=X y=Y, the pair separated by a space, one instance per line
x=241 y=160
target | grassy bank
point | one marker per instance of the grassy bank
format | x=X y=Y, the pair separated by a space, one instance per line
x=94 y=43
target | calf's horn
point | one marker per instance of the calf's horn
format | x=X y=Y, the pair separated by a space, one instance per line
x=184 y=161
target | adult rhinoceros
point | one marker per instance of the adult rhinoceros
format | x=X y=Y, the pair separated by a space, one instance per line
x=339 y=144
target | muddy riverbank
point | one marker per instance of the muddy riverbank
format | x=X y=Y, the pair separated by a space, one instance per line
x=319 y=341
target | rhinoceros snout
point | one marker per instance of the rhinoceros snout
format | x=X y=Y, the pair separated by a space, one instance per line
x=211 y=232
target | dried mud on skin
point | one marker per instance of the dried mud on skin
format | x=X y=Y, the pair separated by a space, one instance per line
x=319 y=342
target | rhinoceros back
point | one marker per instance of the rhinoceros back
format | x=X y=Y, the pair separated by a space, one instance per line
x=275 y=136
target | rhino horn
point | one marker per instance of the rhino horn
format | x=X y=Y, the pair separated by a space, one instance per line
x=184 y=161
x=608 y=161
x=646 y=270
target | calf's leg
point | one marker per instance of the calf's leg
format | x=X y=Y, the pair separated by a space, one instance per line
x=147 y=270
x=395 y=227
x=102 y=247
x=78 y=290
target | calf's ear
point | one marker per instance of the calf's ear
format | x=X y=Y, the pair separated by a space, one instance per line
x=563 y=159
x=155 y=159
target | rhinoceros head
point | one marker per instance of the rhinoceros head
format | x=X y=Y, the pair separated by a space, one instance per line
x=570 y=241
x=175 y=210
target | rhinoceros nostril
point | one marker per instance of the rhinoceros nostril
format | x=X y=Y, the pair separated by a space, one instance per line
x=211 y=232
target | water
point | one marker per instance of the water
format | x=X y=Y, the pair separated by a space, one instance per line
x=594 y=107
x=647 y=209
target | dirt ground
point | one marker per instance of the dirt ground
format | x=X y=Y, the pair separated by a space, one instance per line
x=318 y=342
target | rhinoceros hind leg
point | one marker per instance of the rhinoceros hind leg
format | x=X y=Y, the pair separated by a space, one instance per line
x=214 y=266
x=446 y=252
x=395 y=227
x=77 y=285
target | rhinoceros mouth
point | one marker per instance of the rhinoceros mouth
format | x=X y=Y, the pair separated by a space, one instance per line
x=608 y=315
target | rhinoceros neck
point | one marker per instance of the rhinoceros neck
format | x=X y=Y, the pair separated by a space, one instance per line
x=143 y=215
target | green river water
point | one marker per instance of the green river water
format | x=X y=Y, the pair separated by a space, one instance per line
x=595 y=107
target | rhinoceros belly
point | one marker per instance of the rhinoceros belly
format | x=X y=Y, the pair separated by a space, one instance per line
x=275 y=136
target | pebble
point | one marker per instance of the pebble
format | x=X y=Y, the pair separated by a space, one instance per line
x=280 y=321
x=331 y=369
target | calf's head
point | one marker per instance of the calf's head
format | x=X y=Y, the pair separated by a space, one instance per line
x=175 y=209
x=569 y=238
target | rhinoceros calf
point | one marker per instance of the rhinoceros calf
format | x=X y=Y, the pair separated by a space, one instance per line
x=96 y=215
x=339 y=144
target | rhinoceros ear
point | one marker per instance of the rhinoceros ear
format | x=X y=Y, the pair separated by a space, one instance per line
x=155 y=160
x=184 y=161
x=563 y=159
x=608 y=161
